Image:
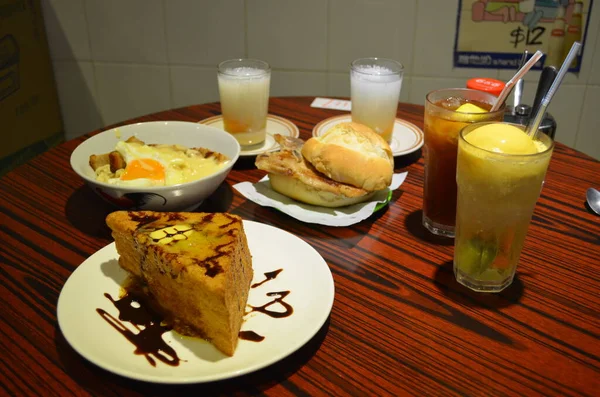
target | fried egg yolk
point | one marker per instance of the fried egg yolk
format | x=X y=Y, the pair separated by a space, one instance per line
x=144 y=168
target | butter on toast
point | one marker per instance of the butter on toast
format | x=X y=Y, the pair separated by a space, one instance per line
x=197 y=267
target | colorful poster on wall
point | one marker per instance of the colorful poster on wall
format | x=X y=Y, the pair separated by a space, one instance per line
x=494 y=34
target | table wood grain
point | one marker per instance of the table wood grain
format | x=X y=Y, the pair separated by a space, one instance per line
x=400 y=323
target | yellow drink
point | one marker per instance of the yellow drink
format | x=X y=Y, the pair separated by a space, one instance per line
x=244 y=92
x=499 y=176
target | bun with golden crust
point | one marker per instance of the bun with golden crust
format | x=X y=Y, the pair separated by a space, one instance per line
x=354 y=154
x=291 y=175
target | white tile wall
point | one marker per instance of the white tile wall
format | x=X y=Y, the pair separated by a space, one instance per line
x=193 y=84
x=77 y=96
x=288 y=34
x=566 y=109
x=283 y=83
x=587 y=139
x=127 y=31
x=67 y=29
x=115 y=60
x=595 y=74
x=339 y=84
x=125 y=89
x=371 y=28
x=204 y=32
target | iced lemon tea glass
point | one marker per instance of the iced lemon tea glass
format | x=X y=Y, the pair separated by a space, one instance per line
x=497 y=193
x=442 y=124
x=244 y=92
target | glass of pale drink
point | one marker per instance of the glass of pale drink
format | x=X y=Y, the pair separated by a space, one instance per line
x=500 y=172
x=375 y=85
x=244 y=92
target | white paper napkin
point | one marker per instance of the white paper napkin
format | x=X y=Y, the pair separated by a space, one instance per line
x=330 y=103
x=262 y=194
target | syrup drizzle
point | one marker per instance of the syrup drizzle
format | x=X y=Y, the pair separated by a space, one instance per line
x=211 y=265
x=134 y=309
x=268 y=276
x=271 y=313
x=251 y=336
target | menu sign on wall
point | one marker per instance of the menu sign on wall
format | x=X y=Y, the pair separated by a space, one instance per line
x=494 y=34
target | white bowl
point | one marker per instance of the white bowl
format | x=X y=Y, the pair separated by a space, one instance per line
x=181 y=197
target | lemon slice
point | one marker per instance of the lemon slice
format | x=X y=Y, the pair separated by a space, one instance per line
x=470 y=108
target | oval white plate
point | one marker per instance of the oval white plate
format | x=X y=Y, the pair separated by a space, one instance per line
x=406 y=137
x=305 y=273
x=275 y=125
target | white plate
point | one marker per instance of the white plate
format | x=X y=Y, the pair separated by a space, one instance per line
x=406 y=137
x=275 y=125
x=305 y=274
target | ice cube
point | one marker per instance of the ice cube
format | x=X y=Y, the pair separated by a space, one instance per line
x=451 y=103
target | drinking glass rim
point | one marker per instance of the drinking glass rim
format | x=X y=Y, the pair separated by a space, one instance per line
x=473 y=126
x=265 y=70
x=353 y=66
x=432 y=103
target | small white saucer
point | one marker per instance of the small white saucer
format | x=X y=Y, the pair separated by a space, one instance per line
x=275 y=125
x=406 y=137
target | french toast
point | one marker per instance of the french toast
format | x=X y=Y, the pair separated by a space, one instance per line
x=197 y=268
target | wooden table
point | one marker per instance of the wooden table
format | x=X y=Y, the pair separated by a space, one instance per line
x=400 y=323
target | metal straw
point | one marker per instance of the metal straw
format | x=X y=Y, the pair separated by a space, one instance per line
x=509 y=85
x=536 y=119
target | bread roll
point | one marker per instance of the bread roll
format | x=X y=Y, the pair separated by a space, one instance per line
x=352 y=153
x=292 y=175
x=332 y=197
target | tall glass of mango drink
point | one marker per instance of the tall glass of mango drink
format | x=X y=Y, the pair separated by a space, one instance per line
x=244 y=92
x=500 y=171
x=447 y=111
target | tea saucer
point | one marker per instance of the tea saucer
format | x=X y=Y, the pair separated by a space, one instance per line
x=406 y=137
x=275 y=125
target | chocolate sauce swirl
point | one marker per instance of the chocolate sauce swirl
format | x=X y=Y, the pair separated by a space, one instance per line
x=268 y=276
x=134 y=309
x=275 y=314
x=251 y=336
